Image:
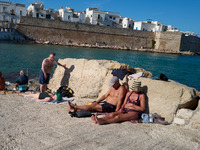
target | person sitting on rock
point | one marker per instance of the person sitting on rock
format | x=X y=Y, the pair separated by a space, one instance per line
x=41 y=97
x=133 y=104
x=21 y=80
x=2 y=82
x=113 y=99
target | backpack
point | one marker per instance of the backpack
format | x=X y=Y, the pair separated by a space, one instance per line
x=65 y=91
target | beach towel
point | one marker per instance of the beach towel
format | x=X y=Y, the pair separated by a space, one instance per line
x=64 y=100
x=136 y=76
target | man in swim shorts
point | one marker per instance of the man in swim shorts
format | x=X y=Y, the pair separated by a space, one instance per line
x=113 y=99
x=45 y=71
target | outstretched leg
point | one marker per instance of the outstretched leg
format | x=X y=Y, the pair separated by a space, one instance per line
x=92 y=107
x=117 y=118
x=35 y=96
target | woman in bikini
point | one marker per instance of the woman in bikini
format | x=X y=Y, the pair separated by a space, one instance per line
x=134 y=104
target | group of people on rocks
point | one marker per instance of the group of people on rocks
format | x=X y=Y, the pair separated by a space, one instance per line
x=120 y=103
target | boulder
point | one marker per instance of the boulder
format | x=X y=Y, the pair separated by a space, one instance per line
x=90 y=78
x=86 y=77
x=165 y=98
x=194 y=121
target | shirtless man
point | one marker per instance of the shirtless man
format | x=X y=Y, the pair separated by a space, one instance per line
x=113 y=99
x=45 y=71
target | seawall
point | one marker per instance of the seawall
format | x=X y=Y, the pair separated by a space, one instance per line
x=69 y=33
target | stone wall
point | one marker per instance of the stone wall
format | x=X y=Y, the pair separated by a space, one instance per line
x=56 y=31
x=190 y=43
x=168 y=41
x=64 y=33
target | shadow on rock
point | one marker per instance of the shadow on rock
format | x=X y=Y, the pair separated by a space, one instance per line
x=66 y=77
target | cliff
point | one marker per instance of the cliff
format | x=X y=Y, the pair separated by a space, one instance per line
x=90 y=78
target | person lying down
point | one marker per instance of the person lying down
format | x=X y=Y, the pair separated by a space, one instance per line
x=41 y=97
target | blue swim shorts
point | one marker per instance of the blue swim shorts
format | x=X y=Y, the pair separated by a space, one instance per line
x=42 y=80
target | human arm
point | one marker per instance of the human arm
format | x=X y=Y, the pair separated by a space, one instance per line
x=104 y=96
x=57 y=63
x=125 y=101
x=121 y=96
x=135 y=107
x=43 y=66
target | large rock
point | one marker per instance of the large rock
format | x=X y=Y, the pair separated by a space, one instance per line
x=90 y=78
x=86 y=77
x=166 y=98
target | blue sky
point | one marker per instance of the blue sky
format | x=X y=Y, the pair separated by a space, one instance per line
x=182 y=14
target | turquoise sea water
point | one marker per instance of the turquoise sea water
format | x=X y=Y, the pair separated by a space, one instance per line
x=184 y=69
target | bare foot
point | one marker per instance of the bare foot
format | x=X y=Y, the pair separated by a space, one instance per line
x=99 y=121
x=70 y=107
x=19 y=94
x=94 y=119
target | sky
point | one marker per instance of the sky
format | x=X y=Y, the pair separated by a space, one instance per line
x=181 y=14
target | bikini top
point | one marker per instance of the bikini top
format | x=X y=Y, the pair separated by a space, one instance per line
x=136 y=102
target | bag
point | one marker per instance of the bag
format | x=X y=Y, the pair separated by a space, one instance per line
x=163 y=77
x=65 y=91
x=120 y=73
x=80 y=114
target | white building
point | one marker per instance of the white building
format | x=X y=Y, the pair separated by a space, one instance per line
x=10 y=13
x=170 y=28
x=127 y=23
x=68 y=14
x=97 y=17
x=152 y=26
x=37 y=11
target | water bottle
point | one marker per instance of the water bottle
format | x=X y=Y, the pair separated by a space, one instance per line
x=150 y=118
x=145 y=118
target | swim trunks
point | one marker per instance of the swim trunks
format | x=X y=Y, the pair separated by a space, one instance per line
x=43 y=95
x=42 y=80
x=107 y=107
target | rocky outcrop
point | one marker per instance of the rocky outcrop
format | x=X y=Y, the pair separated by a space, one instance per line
x=166 y=98
x=90 y=78
x=86 y=77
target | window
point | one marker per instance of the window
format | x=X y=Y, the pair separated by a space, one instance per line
x=68 y=17
x=98 y=16
x=20 y=12
x=114 y=18
x=4 y=9
x=4 y=18
x=110 y=17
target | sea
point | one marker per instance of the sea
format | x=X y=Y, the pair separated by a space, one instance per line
x=15 y=57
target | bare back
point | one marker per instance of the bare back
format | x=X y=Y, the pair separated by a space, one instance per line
x=115 y=95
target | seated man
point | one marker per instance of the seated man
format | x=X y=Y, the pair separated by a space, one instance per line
x=113 y=99
x=21 y=80
x=133 y=105
x=2 y=82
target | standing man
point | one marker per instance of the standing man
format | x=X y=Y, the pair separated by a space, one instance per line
x=47 y=65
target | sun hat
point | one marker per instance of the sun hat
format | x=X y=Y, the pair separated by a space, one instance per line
x=113 y=80
x=136 y=86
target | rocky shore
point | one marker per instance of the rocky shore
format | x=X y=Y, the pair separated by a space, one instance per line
x=26 y=124
x=103 y=46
